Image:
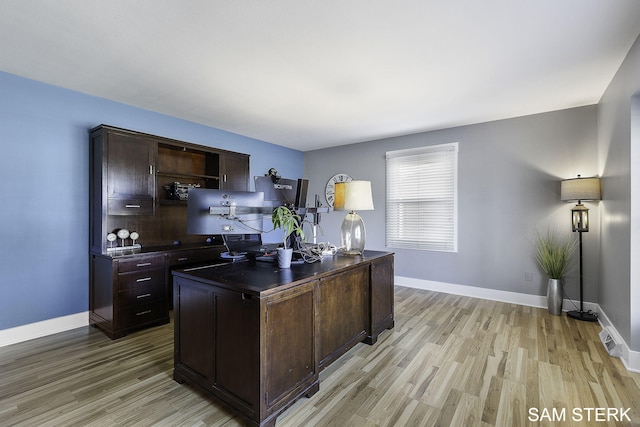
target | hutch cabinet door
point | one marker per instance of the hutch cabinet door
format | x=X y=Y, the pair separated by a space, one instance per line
x=234 y=170
x=130 y=163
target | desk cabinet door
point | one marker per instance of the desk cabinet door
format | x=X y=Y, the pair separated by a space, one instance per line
x=194 y=337
x=237 y=348
x=289 y=353
x=382 y=286
x=217 y=342
x=344 y=312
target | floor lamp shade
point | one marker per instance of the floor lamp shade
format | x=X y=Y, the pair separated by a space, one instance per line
x=579 y=190
x=352 y=196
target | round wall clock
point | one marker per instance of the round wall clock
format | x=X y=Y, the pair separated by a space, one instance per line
x=330 y=189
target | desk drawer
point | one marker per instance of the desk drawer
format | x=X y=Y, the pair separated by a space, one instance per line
x=141 y=263
x=136 y=279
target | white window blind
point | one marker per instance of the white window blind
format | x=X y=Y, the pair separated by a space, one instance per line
x=422 y=198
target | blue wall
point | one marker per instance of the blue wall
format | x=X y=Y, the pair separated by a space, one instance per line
x=44 y=167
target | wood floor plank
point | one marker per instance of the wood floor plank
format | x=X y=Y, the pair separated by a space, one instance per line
x=450 y=360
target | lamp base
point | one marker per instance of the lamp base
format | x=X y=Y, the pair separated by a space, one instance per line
x=351 y=253
x=352 y=234
x=581 y=315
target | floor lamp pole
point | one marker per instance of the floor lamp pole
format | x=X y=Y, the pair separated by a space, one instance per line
x=581 y=315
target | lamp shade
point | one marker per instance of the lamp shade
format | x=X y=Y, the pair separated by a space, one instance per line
x=580 y=189
x=338 y=196
x=353 y=196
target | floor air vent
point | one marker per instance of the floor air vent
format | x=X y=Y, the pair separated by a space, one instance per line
x=609 y=343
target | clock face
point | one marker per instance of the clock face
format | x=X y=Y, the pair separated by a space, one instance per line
x=330 y=190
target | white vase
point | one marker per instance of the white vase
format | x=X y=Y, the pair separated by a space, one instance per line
x=554 y=296
x=284 y=257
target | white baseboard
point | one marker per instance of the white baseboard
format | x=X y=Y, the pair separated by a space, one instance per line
x=41 y=329
x=472 y=291
x=630 y=359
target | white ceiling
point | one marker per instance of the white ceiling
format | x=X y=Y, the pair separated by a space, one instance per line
x=314 y=74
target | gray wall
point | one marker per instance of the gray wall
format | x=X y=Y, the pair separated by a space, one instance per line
x=509 y=187
x=620 y=164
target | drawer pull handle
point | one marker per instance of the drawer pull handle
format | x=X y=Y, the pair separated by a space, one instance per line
x=143 y=264
x=183 y=259
x=144 y=279
x=143 y=296
x=132 y=206
x=143 y=312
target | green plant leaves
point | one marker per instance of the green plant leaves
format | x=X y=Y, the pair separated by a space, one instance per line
x=553 y=254
x=289 y=221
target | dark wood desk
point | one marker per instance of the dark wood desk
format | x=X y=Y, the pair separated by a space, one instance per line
x=256 y=337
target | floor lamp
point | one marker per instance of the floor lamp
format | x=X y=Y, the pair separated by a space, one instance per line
x=572 y=190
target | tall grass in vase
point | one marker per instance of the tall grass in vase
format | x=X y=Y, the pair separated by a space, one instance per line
x=553 y=254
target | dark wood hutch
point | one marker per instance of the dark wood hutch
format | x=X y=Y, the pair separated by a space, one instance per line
x=130 y=281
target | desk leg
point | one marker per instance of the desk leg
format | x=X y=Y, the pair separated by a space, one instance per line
x=313 y=390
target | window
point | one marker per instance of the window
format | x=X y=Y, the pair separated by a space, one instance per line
x=422 y=198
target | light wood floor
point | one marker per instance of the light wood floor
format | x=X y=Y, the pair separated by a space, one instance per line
x=449 y=361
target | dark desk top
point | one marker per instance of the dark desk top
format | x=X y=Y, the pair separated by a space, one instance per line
x=255 y=277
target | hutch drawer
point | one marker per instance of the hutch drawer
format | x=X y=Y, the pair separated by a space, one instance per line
x=142 y=206
x=142 y=294
x=135 y=279
x=143 y=313
x=140 y=263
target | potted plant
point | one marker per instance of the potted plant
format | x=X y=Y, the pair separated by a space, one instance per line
x=290 y=222
x=553 y=254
